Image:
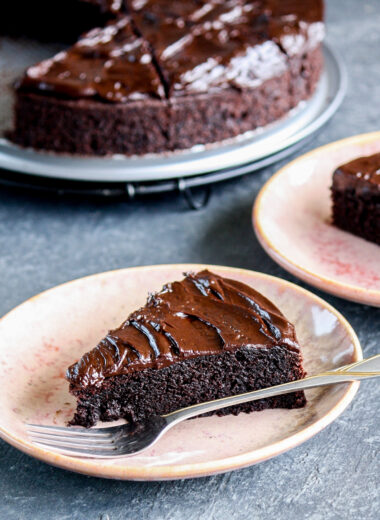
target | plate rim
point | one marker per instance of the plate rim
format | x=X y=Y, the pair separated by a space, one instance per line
x=337 y=81
x=326 y=284
x=199 y=469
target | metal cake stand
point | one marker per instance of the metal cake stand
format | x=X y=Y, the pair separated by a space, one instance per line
x=202 y=166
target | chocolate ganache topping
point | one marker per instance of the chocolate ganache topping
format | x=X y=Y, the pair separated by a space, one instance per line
x=361 y=176
x=202 y=315
x=183 y=47
x=112 y=64
x=362 y=169
x=226 y=43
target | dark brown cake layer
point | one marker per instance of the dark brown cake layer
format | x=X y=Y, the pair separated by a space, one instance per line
x=356 y=197
x=157 y=392
x=199 y=339
x=89 y=127
x=226 y=67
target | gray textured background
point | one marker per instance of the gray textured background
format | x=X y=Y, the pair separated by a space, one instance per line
x=44 y=242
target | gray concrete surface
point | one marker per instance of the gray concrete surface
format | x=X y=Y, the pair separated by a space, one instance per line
x=44 y=242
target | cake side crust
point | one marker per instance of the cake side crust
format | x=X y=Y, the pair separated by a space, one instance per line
x=156 y=392
x=87 y=127
x=226 y=114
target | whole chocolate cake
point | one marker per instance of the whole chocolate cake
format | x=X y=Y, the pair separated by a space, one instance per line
x=164 y=76
x=356 y=197
x=200 y=339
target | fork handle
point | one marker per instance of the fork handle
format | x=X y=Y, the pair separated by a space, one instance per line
x=366 y=369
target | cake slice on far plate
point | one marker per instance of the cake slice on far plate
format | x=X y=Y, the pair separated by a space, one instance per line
x=356 y=197
x=196 y=340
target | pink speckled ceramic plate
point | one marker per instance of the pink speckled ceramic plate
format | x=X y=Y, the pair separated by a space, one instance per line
x=41 y=337
x=292 y=220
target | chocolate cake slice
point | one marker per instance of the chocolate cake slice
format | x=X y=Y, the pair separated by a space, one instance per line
x=225 y=67
x=203 y=338
x=356 y=197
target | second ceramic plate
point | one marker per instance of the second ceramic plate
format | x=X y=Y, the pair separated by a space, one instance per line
x=59 y=325
x=292 y=220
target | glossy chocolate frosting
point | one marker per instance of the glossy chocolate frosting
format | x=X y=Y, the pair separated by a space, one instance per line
x=184 y=47
x=362 y=176
x=203 y=314
x=219 y=44
x=213 y=49
x=364 y=169
x=111 y=64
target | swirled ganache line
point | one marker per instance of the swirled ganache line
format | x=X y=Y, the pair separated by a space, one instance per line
x=202 y=315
